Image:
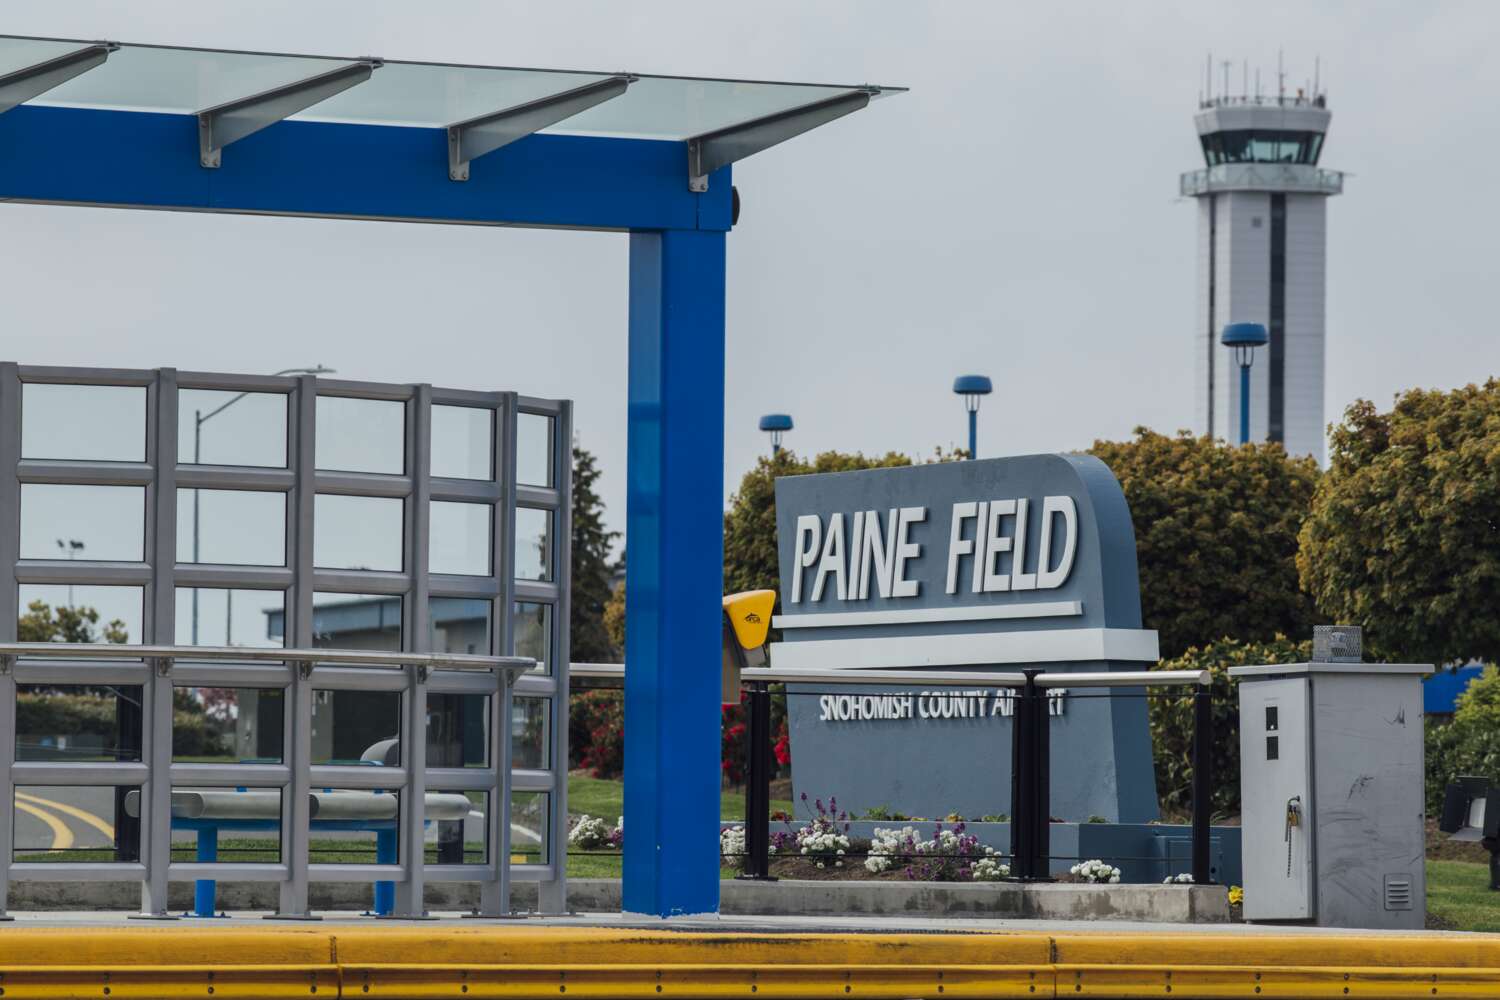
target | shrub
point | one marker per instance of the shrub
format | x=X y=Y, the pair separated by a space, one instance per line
x=596 y=732
x=591 y=833
x=1095 y=871
x=949 y=856
x=1172 y=721
x=1470 y=744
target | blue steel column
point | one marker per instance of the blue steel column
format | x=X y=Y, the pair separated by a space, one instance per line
x=675 y=573
x=1244 y=404
x=973 y=433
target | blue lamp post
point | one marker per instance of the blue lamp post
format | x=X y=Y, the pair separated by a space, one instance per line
x=1243 y=339
x=776 y=424
x=971 y=388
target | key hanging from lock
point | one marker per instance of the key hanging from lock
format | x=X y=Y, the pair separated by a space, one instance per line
x=1293 y=818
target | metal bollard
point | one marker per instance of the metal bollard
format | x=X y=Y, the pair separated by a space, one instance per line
x=1203 y=748
x=758 y=785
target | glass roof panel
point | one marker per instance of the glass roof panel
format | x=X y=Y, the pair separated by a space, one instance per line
x=428 y=95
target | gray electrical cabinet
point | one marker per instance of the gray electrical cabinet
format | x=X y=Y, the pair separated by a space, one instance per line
x=1331 y=784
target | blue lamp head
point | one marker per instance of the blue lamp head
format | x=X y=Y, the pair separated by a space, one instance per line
x=1243 y=339
x=971 y=387
x=776 y=424
x=1244 y=335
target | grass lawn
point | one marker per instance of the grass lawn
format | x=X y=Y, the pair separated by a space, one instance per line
x=1459 y=893
x=605 y=798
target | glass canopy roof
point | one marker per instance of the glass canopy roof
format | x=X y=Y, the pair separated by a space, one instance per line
x=428 y=95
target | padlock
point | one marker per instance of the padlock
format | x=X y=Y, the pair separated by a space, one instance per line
x=1294 y=811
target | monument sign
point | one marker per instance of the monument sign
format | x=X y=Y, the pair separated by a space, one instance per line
x=1001 y=564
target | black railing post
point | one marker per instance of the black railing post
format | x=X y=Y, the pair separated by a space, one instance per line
x=758 y=785
x=1203 y=748
x=1021 y=773
x=1029 y=831
x=1041 y=735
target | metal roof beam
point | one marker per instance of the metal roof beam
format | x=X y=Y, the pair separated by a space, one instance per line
x=234 y=120
x=20 y=86
x=721 y=147
x=471 y=139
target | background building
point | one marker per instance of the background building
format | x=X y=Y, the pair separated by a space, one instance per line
x=1262 y=243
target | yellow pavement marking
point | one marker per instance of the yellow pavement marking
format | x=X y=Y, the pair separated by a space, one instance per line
x=62 y=837
x=80 y=814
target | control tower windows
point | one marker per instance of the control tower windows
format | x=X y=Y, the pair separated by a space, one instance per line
x=1261 y=146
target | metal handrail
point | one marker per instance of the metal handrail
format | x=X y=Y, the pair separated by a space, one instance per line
x=939 y=678
x=365 y=658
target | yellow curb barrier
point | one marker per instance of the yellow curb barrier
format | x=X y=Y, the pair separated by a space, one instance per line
x=481 y=961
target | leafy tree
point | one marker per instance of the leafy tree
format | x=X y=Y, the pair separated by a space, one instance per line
x=589 y=638
x=614 y=615
x=1215 y=535
x=1404 y=535
x=44 y=623
x=1172 y=721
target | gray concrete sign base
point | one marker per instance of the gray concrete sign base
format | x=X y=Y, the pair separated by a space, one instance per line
x=1163 y=904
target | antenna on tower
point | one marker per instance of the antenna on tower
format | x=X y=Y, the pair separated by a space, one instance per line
x=1317 y=72
x=1280 y=79
x=1245 y=86
x=1227 y=63
x=1257 y=85
x=1208 y=75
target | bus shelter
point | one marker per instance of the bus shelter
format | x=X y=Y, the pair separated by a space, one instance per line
x=141 y=126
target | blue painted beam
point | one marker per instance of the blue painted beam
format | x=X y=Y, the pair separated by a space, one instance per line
x=675 y=573
x=149 y=160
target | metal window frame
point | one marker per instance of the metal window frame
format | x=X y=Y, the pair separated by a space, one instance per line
x=157 y=664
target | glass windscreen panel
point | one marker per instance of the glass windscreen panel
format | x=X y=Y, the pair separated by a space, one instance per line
x=529 y=743
x=221 y=616
x=235 y=527
x=460 y=833
x=99 y=423
x=97 y=523
x=356 y=727
x=528 y=828
x=534 y=449
x=228 y=825
x=459 y=538
x=77 y=723
x=357 y=621
x=76 y=824
x=61 y=612
x=352 y=532
x=458 y=729
x=533 y=634
x=228 y=725
x=463 y=442
x=361 y=435
x=459 y=624
x=220 y=427
x=355 y=826
x=534 y=544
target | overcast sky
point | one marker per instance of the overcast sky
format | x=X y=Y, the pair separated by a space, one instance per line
x=1015 y=215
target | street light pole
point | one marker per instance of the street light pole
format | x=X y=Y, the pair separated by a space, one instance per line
x=972 y=388
x=1243 y=339
x=199 y=419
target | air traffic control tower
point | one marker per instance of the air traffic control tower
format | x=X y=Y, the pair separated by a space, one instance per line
x=1262 y=245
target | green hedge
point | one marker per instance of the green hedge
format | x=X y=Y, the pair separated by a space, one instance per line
x=1172 y=721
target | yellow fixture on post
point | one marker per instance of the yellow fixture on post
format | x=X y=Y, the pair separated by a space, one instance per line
x=747 y=622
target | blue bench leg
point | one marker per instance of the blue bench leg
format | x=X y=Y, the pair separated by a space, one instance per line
x=385 y=854
x=204 y=889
